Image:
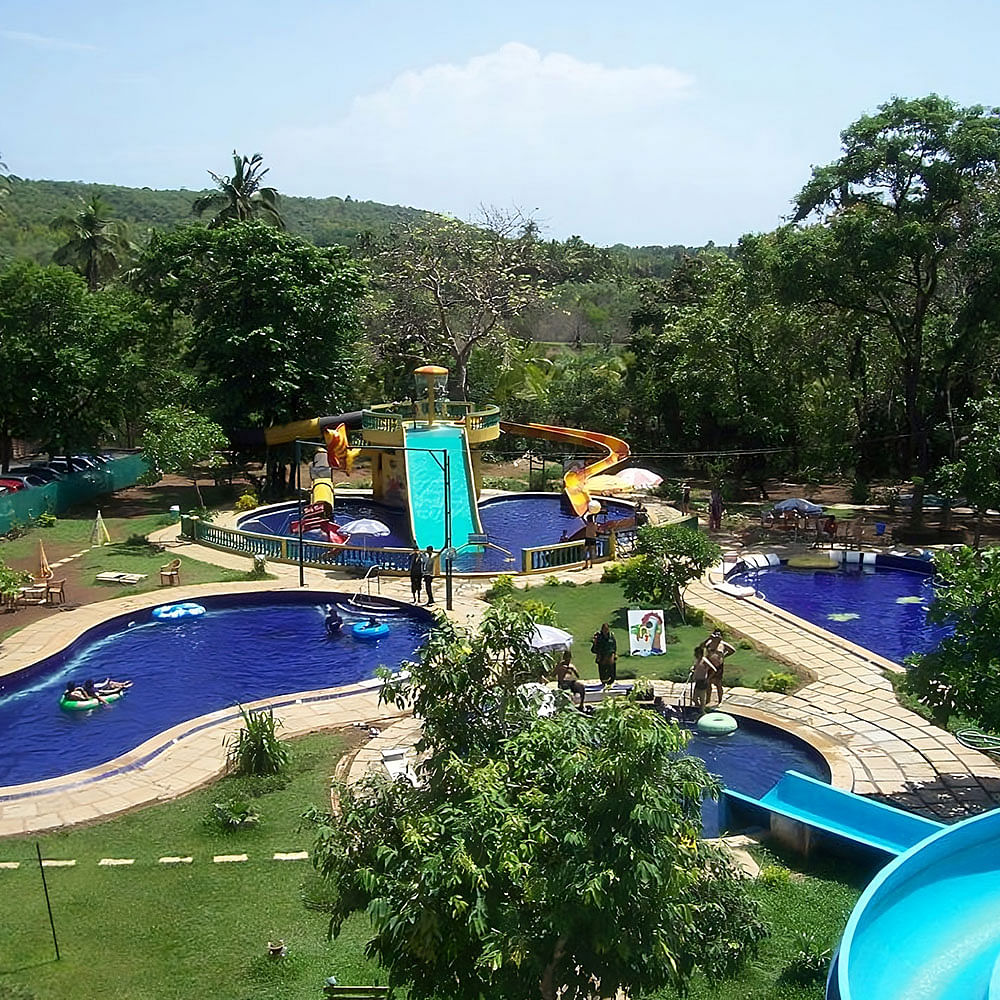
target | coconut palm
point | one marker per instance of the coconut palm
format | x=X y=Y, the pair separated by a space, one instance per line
x=241 y=196
x=98 y=247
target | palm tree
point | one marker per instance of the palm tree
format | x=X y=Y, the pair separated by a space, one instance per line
x=97 y=247
x=241 y=196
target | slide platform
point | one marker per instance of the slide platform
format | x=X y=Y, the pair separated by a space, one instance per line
x=575 y=481
x=425 y=485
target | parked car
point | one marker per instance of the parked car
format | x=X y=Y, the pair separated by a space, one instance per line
x=41 y=471
x=13 y=485
x=27 y=478
x=78 y=464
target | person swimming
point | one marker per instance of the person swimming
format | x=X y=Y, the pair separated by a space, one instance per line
x=334 y=623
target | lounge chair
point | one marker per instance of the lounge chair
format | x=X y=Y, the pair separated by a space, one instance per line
x=171 y=573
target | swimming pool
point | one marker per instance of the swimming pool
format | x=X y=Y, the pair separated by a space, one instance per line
x=751 y=761
x=881 y=608
x=246 y=647
x=511 y=522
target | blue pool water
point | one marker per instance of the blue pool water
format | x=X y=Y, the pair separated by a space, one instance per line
x=246 y=647
x=512 y=522
x=751 y=761
x=884 y=610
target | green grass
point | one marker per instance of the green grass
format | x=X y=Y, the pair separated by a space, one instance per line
x=815 y=905
x=199 y=930
x=582 y=609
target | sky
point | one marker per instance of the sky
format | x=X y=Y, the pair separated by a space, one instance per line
x=657 y=122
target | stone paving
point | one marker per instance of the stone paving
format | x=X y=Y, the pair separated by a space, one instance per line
x=849 y=712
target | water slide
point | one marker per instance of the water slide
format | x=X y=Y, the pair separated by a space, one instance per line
x=575 y=481
x=425 y=486
x=927 y=926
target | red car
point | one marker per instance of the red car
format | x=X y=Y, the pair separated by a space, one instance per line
x=12 y=484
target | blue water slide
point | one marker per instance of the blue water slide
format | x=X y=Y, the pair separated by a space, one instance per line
x=926 y=927
x=426 y=487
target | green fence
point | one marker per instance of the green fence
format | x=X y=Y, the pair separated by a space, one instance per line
x=77 y=487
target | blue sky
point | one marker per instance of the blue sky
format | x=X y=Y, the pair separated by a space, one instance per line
x=641 y=122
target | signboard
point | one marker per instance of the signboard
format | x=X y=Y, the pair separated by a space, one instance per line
x=646 y=633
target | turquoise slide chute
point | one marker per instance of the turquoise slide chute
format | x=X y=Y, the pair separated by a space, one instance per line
x=425 y=484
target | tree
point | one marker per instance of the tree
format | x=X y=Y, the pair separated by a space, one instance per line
x=4 y=187
x=179 y=441
x=241 y=197
x=898 y=245
x=962 y=675
x=449 y=287
x=541 y=853
x=668 y=558
x=273 y=319
x=97 y=246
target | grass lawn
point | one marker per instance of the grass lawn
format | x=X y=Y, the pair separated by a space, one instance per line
x=582 y=609
x=163 y=931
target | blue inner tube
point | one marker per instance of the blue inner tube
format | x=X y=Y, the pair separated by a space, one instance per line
x=362 y=630
x=186 y=609
x=85 y=706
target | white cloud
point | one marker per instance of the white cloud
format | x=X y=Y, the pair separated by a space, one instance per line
x=511 y=126
x=42 y=42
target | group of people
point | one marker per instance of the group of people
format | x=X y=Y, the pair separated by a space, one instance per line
x=89 y=691
x=422 y=573
x=605 y=650
x=708 y=668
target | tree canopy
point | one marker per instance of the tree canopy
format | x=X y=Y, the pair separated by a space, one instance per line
x=241 y=196
x=541 y=850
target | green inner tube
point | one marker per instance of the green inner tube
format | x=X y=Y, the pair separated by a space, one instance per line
x=717 y=724
x=85 y=706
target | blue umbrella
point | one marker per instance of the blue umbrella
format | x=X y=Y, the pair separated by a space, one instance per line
x=799 y=505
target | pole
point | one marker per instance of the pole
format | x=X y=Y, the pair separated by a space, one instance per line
x=48 y=902
x=298 y=494
x=447 y=531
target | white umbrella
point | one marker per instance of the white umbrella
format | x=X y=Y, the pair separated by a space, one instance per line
x=640 y=479
x=366 y=526
x=549 y=639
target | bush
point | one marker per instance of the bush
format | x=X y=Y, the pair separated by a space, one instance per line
x=887 y=496
x=259 y=570
x=202 y=512
x=503 y=586
x=809 y=965
x=774 y=877
x=46 y=519
x=503 y=483
x=540 y=612
x=256 y=749
x=233 y=814
x=859 y=491
x=551 y=581
x=780 y=683
x=614 y=572
x=246 y=502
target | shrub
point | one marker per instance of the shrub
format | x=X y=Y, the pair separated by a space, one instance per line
x=46 y=519
x=614 y=572
x=17 y=528
x=887 y=496
x=11 y=580
x=246 y=502
x=551 y=581
x=809 y=965
x=540 y=612
x=859 y=491
x=202 y=512
x=774 y=877
x=259 y=570
x=233 y=814
x=503 y=586
x=503 y=483
x=256 y=749
x=780 y=683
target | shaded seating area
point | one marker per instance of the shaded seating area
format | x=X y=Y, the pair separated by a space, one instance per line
x=39 y=592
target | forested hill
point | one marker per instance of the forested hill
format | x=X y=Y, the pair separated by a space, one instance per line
x=25 y=229
x=32 y=205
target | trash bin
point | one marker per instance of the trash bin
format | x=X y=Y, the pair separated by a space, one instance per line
x=175 y=514
x=880 y=528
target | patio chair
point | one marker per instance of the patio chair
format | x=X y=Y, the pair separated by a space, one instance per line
x=56 y=592
x=171 y=573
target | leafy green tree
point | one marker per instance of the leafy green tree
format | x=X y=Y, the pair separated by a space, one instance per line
x=64 y=355
x=96 y=246
x=541 y=853
x=897 y=247
x=668 y=558
x=587 y=390
x=979 y=463
x=241 y=196
x=181 y=441
x=448 y=287
x=273 y=320
x=962 y=675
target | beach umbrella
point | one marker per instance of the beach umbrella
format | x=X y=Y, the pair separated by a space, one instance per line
x=641 y=479
x=99 y=532
x=44 y=569
x=607 y=484
x=549 y=639
x=799 y=505
x=366 y=526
